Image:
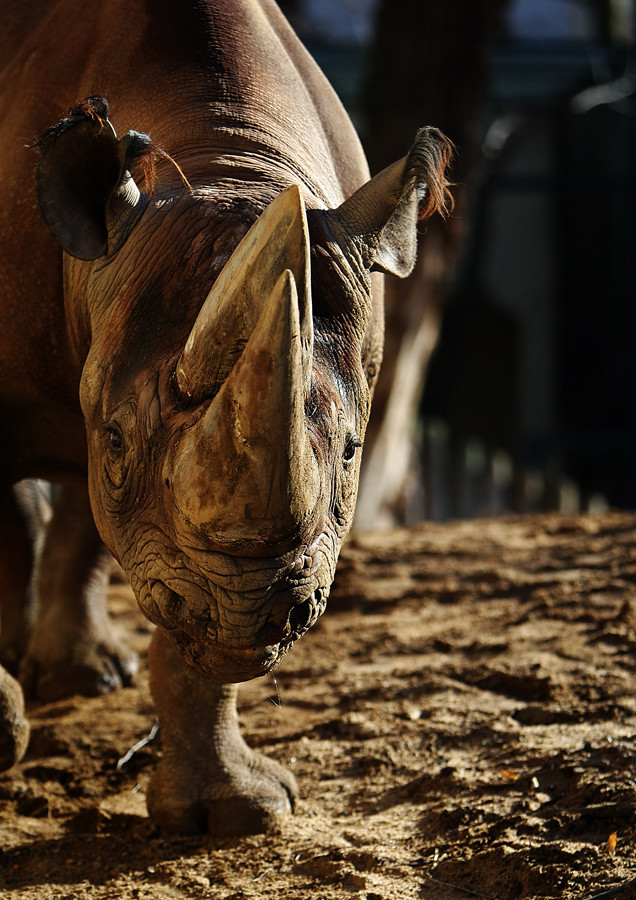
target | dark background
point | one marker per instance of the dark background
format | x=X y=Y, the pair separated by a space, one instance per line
x=535 y=359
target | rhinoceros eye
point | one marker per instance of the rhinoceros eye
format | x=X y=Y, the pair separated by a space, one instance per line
x=350 y=449
x=115 y=439
x=116 y=460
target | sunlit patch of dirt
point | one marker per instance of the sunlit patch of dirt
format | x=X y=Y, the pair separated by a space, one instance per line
x=461 y=722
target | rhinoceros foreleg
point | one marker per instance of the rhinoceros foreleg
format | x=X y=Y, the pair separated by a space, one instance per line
x=21 y=523
x=208 y=778
x=72 y=649
x=14 y=727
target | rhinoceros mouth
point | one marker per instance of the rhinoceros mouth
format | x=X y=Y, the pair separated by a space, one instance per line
x=225 y=664
x=201 y=648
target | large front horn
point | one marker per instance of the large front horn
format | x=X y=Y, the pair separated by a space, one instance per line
x=246 y=471
x=277 y=241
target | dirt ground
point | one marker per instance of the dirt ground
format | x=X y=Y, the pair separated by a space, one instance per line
x=462 y=723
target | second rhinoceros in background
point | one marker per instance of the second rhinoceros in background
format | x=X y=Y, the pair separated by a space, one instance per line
x=218 y=322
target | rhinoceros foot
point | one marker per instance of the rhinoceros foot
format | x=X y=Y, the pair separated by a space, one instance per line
x=14 y=728
x=208 y=778
x=71 y=646
x=245 y=793
x=53 y=669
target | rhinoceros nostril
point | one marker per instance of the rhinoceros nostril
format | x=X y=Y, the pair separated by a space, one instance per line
x=170 y=604
x=270 y=652
x=301 y=616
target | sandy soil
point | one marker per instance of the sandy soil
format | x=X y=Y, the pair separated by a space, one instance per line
x=462 y=723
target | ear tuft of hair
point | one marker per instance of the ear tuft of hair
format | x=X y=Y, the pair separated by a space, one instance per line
x=428 y=159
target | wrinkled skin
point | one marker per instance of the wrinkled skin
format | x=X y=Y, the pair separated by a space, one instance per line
x=222 y=470
x=238 y=604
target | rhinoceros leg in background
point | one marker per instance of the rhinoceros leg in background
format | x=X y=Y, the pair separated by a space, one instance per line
x=71 y=648
x=19 y=526
x=14 y=727
x=16 y=558
x=208 y=778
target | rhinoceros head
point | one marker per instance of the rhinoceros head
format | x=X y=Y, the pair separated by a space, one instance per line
x=224 y=436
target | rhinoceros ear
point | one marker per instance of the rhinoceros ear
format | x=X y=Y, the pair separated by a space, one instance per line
x=381 y=218
x=87 y=195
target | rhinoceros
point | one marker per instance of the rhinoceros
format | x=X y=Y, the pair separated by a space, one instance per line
x=191 y=332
